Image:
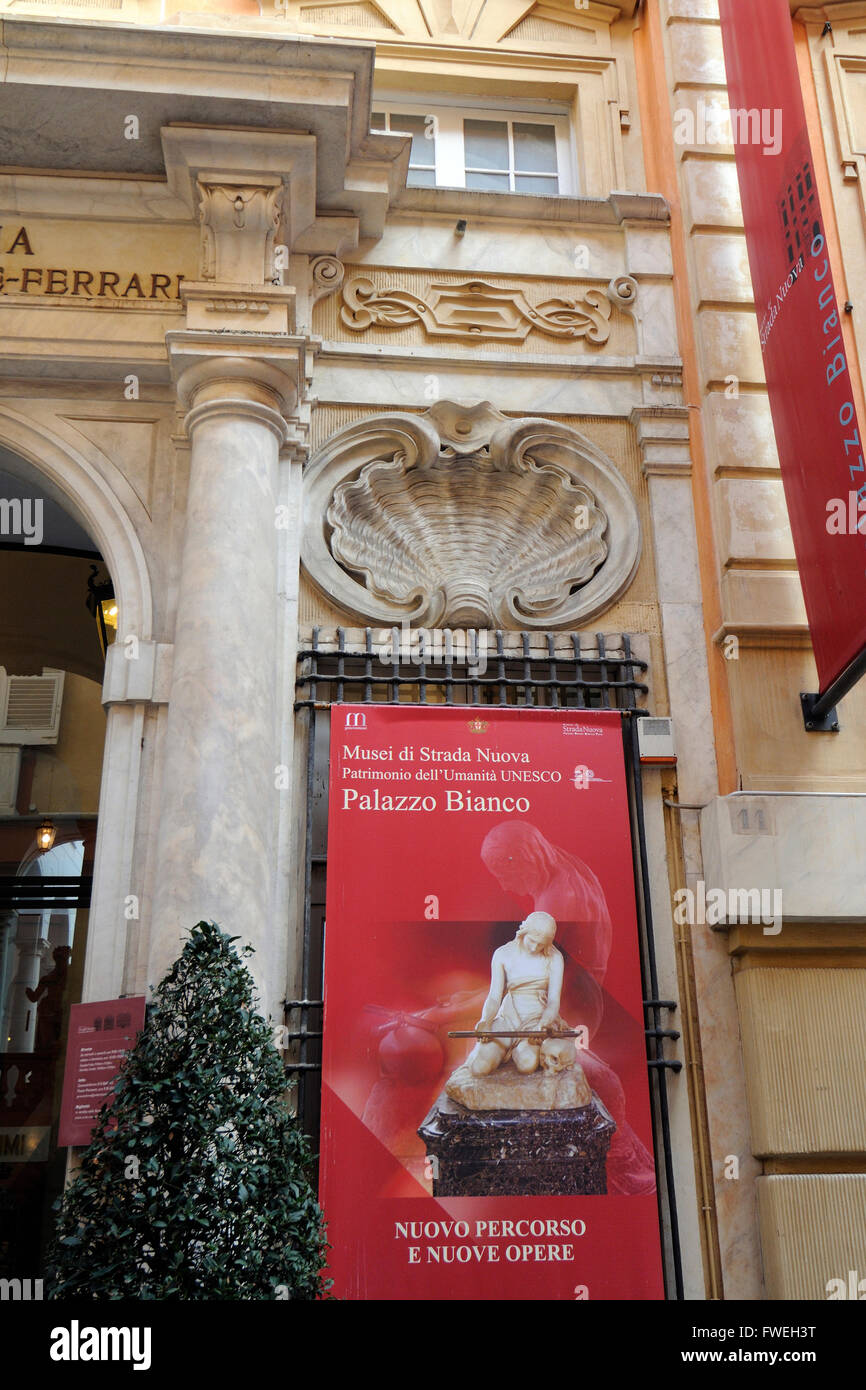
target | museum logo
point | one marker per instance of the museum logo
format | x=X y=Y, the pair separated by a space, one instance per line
x=356 y=719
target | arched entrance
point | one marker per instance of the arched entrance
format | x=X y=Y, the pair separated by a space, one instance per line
x=54 y=587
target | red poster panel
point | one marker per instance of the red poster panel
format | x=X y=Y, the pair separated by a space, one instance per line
x=817 y=433
x=486 y=1126
x=100 y=1035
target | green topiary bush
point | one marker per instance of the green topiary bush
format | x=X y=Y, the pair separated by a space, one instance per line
x=196 y=1184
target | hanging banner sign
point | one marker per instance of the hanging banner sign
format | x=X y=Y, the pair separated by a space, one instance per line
x=486 y=1124
x=100 y=1035
x=811 y=397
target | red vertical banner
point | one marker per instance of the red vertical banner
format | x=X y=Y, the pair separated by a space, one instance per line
x=486 y=1127
x=805 y=361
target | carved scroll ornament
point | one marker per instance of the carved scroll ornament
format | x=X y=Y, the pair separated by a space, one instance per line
x=464 y=517
x=476 y=309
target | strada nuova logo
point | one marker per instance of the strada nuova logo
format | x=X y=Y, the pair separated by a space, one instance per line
x=77 y=1343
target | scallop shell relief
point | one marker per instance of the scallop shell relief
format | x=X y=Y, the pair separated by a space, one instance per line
x=477 y=539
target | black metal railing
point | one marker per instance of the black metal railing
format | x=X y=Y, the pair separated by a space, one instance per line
x=36 y=893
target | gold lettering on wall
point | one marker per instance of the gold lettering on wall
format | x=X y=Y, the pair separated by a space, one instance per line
x=57 y=281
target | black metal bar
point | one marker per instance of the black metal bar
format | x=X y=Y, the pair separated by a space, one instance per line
x=472 y=663
x=602 y=663
x=538 y=682
x=554 y=673
x=341 y=662
x=368 y=666
x=821 y=708
x=513 y=682
x=626 y=648
x=422 y=666
x=308 y=859
x=578 y=669
x=659 y=1063
x=395 y=666
x=500 y=667
x=37 y=893
x=515 y=659
x=627 y=684
x=527 y=671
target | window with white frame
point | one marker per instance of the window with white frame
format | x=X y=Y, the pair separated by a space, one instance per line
x=514 y=151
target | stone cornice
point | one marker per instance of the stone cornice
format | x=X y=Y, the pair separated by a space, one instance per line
x=100 y=74
x=838 y=10
x=617 y=208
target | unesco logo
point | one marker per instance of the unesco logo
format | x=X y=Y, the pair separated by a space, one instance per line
x=356 y=719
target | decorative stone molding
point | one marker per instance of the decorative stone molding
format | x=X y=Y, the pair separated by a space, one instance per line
x=137 y=672
x=237 y=375
x=237 y=306
x=463 y=516
x=246 y=308
x=239 y=222
x=663 y=438
x=327 y=276
x=622 y=291
x=475 y=309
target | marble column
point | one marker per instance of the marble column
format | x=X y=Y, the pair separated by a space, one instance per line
x=216 y=846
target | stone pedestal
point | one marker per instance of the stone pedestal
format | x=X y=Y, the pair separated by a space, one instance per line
x=517 y=1153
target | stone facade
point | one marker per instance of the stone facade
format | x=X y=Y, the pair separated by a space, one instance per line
x=236 y=338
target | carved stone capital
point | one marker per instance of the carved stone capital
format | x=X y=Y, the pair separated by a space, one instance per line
x=463 y=516
x=237 y=375
x=239 y=221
